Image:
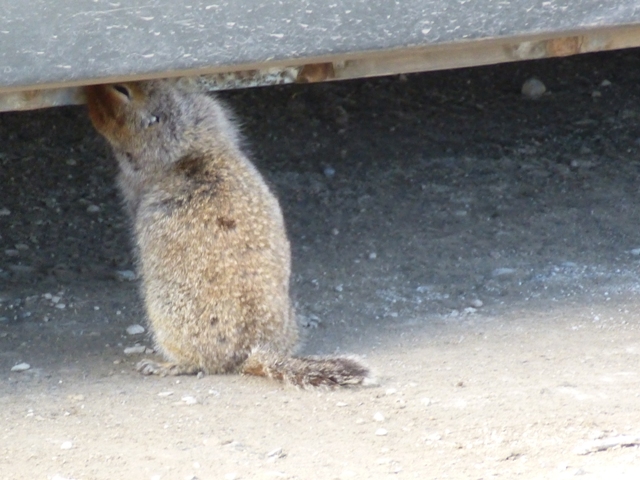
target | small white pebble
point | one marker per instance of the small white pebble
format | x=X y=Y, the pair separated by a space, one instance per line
x=605 y=83
x=341 y=404
x=390 y=391
x=373 y=256
x=335 y=231
x=125 y=275
x=135 y=329
x=55 y=299
x=21 y=367
x=635 y=251
x=378 y=417
x=503 y=272
x=165 y=394
x=66 y=446
x=338 y=288
x=277 y=452
x=425 y=401
x=476 y=303
x=189 y=400
x=93 y=208
x=381 y=432
x=135 y=350
x=22 y=246
x=61 y=306
x=533 y=88
x=231 y=476
x=329 y=172
x=48 y=296
x=312 y=321
x=96 y=308
x=4 y=212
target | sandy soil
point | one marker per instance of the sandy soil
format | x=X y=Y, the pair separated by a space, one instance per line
x=478 y=248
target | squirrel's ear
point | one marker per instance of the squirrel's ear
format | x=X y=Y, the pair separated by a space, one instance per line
x=122 y=90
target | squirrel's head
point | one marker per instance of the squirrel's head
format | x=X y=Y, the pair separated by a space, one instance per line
x=143 y=119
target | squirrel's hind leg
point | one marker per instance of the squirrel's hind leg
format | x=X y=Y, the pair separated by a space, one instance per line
x=149 y=367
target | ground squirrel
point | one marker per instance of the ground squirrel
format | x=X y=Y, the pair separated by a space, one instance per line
x=213 y=254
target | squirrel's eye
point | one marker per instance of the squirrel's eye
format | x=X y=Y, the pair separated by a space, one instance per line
x=123 y=90
x=150 y=120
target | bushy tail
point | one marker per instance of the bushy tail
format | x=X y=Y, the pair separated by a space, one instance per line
x=308 y=372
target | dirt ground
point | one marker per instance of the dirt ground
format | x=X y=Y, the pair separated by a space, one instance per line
x=479 y=249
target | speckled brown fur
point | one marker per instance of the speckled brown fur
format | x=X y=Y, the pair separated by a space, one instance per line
x=213 y=253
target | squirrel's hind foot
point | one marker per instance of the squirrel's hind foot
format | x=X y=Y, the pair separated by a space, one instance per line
x=163 y=369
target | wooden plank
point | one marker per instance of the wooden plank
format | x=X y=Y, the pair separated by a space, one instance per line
x=439 y=57
x=489 y=52
x=77 y=42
